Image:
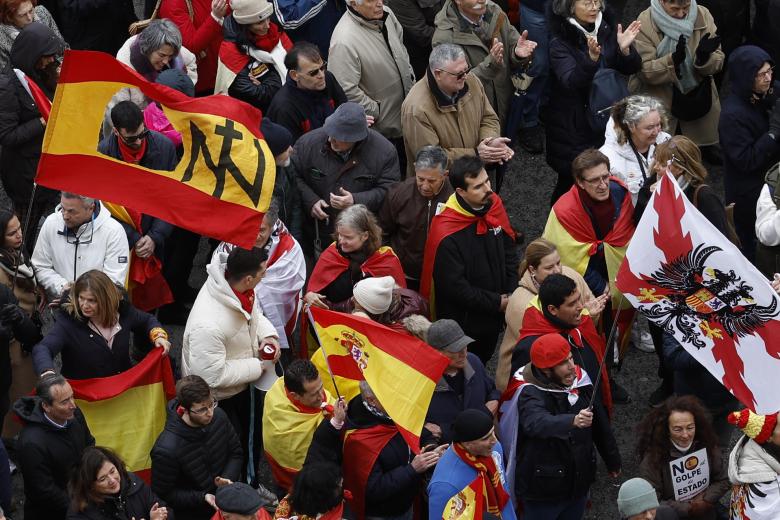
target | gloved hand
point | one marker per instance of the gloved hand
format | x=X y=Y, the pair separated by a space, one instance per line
x=678 y=56
x=774 y=120
x=11 y=315
x=706 y=47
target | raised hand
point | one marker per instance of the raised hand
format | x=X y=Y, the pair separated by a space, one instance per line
x=525 y=47
x=627 y=37
x=497 y=51
x=594 y=49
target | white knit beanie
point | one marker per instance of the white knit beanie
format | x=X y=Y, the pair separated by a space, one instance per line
x=247 y=12
x=374 y=294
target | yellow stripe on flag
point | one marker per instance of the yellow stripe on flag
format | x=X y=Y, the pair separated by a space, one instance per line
x=128 y=423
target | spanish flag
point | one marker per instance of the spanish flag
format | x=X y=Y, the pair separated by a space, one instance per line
x=288 y=427
x=450 y=220
x=221 y=187
x=400 y=369
x=126 y=412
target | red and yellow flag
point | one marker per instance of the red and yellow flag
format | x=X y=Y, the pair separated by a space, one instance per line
x=400 y=369
x=221 y=187
x=127 y=412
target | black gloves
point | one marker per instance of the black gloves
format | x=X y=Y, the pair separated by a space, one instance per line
x=11 y=315
x=774 y=120
x=706 y=47
x=678 y=56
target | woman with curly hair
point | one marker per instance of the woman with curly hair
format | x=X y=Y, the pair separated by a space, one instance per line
x=680 y=427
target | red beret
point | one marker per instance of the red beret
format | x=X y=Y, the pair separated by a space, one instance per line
x=549 y=350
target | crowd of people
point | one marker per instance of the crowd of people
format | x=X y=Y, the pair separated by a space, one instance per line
x=391 y=125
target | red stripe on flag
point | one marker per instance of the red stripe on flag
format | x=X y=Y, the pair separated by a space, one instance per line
x=411 y=351
x=344 y=366
x=87 y=66
x=126 y=184
x=149 y=371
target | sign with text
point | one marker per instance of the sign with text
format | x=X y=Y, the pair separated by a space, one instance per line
x=690 y=474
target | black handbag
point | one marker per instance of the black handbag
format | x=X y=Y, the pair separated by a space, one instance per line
x=692 y=105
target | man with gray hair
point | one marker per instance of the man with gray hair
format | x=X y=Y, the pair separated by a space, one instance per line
x=79 y=236
x=410 y=206
x=449 y=108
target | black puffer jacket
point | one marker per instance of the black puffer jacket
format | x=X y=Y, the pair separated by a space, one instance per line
x=566 y=123
x=185 y=461
x=47 y=456
x=134 y=501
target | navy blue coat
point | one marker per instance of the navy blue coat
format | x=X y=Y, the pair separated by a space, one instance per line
x=85 y=353
x=478 y=389
x=566 y=122
x=748 y=150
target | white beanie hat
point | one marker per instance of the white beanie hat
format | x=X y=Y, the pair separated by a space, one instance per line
x=248 y=12
x=374 y=294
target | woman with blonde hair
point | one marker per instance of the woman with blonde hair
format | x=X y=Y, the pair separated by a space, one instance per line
x=93 y=332
x=541 y=260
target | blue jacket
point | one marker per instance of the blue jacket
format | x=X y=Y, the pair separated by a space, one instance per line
x=748 y=150
x=478 y=388
x=452 y=475
x=310 y=20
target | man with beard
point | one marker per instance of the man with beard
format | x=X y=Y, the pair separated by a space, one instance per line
x=555 y=462
x=26 y=90
x=470 y=262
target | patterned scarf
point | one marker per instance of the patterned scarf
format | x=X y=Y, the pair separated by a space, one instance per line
x=673 y=28
x=488 y=478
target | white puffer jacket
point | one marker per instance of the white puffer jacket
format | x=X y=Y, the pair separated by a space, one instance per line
x=221 y=339
x=623 y=161
x=755 y=475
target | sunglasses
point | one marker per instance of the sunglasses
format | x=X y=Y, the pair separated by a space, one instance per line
x=133 y=138
x=458 y=75
x=316 y=72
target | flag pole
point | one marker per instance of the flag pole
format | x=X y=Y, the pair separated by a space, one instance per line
x=606 y=351
x=25 y=227
x=324 y=354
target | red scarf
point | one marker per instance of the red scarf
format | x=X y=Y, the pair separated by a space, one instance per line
x=327 y=409
x=268 y=41
x=246 y=298
x=488 y=479
x=331 y=264
x=131 y=155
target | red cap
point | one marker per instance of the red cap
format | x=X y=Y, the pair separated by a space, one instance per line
x=549 y=350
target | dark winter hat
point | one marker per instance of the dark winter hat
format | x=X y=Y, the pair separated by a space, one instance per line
x=347 y=123
x=448 y=336
x=471 y=425
x=278 y=138
x=635 y=497
x=238 y=498
x=34 y=41
x=549 y=350
x=177 y=80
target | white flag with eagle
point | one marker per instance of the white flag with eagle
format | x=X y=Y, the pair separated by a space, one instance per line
x=685 y=276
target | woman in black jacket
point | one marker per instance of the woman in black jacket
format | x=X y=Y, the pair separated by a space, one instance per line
x=102 y=489
x=92 y=332
x=583 y=36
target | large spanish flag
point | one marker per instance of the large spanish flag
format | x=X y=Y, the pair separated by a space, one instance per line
x=400 y=369
x=221 y=187
x=126 y=412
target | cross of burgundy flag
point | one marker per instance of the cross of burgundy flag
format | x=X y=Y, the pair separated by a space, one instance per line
x=685 y=276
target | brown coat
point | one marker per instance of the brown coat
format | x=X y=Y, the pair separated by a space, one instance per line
x=657 y=74
x=515 y=311
x=457 y=128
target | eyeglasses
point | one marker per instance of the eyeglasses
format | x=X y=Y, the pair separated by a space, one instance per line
x=604 y=179
x=133 y=138
x=205 y=409
x=458 y=75
x=766 y=73
x=316 y=72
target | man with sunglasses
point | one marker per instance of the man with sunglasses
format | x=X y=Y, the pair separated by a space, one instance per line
x=310 y=94
x=197 y=452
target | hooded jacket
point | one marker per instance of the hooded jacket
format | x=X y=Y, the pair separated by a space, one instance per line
x=748 y=150
x=221 y=339
x=135 y=500
x=185 y=461
x=21 y=131
x=755 y=475
x=47 y=455
x=61 y=256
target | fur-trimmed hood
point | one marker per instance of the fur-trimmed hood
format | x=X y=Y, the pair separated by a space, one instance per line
x=560 y=27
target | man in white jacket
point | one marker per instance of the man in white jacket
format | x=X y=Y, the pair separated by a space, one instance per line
x=79 y=236
x=225 y=335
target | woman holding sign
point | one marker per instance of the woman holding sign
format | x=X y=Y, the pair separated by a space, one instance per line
x=681 y=458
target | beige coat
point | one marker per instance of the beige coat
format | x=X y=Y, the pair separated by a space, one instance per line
x=657 y=75
x=515 y=312
x=495 y=77
x=457 y=128
x=371 y=74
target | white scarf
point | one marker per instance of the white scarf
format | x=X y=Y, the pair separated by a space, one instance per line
x=594 y=33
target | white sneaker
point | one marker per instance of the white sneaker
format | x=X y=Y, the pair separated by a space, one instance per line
x=640 y=336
